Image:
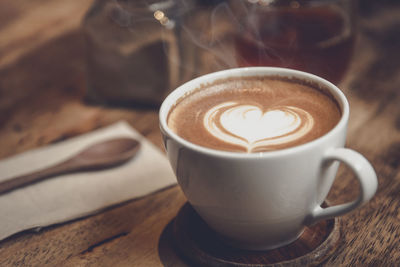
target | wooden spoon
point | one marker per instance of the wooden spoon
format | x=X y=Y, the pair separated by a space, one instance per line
x=101 y=155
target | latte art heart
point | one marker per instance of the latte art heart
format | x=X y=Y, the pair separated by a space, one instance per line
x=248 y=126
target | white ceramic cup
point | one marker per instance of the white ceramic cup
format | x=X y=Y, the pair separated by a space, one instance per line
x=264 y=200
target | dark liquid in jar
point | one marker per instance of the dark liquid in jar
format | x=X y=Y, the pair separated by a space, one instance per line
x=315 y=40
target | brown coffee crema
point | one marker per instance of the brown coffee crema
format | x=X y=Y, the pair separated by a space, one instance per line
x=254 y=114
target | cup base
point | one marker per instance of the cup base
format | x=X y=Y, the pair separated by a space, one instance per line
x=245 y=246
x=201 y=245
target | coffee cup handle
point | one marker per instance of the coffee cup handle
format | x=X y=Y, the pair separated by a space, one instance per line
x=367 y=179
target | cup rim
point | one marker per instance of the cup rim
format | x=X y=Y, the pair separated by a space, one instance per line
x=176 y=94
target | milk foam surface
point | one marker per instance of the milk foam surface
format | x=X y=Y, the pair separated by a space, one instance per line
x=247 y=125
x=254 y=114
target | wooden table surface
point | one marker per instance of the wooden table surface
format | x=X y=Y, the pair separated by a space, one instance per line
x=42 y=84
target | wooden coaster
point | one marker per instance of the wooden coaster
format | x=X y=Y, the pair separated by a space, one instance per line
x=199 y=244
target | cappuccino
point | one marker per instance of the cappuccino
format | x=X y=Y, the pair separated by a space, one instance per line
x=254 y=114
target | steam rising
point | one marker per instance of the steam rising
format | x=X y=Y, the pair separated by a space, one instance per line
x=204 y=35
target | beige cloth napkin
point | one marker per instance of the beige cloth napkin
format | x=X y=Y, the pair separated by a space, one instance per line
x=76 y=195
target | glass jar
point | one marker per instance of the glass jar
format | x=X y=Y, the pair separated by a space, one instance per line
x=133 y=53
x=315 y=36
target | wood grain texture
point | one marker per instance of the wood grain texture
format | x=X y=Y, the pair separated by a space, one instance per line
x=42 y=86
x=29 y=24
